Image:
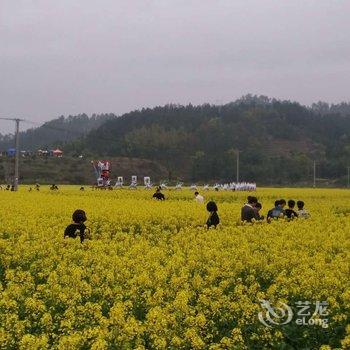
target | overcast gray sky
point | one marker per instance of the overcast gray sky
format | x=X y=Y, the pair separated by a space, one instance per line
x=73 y=56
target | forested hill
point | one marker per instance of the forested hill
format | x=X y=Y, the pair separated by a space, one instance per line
x=278 y=140
x=55 y=133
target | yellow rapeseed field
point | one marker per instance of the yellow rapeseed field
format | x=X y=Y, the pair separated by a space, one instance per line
x=153 y=277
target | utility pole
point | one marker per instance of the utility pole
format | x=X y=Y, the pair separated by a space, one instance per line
x=237 y=168
x=16 y=120
x=15 y=184
x=348 y=176
x=314 y=173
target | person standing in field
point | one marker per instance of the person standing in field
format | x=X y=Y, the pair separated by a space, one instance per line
x=213 y=219
x=78 y=228
x=290 y=213
x=278 y=211
x=257 y=208
x=302 y=213
x=198 y=198
x=248 y=211
x=159 y=195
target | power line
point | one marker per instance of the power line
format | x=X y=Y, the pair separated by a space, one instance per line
x=39 y=125
x=54 y=128
x=79 y=133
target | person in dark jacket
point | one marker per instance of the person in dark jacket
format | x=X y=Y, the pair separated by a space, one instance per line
x=248 y=211
x=78 y=228
x=289 y=212
x=213 y=219
x=159 y=195
x=257 y=208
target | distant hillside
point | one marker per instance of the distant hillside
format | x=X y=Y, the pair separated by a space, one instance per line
x=277 y=140
x=56 y=132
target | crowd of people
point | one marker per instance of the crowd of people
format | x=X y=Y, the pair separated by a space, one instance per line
x=250 y=212
x=7 y=188
x=243 y=186
x=234 y=186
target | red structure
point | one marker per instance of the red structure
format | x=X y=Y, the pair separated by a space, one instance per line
x=102 y=171
x=57 y=153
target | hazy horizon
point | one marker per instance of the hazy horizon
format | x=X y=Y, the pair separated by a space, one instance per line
x=64 y=58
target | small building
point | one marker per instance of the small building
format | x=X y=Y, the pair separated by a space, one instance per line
x=11 y=152
x=57 y=153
